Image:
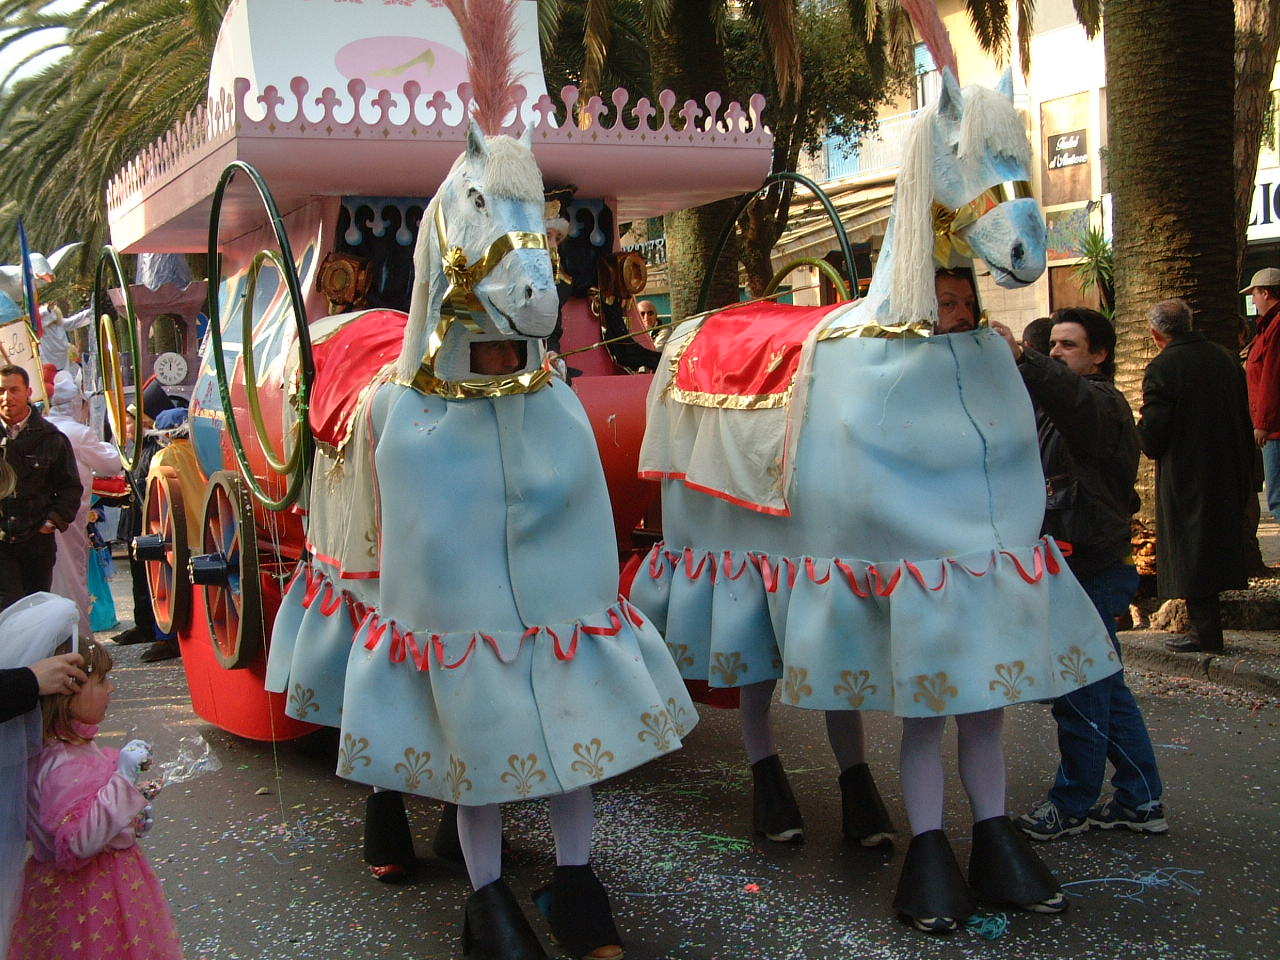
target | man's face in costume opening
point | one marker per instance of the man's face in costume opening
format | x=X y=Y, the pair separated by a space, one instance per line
x=957 y=304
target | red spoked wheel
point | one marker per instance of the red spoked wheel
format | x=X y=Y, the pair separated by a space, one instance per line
x=165 y=524
x=229 y=572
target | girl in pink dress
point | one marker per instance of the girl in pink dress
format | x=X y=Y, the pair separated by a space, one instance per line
x=88 y=892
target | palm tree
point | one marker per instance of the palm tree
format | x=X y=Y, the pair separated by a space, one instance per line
x=131 y=69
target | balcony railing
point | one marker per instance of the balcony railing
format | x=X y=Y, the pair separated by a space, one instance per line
x=879 y=151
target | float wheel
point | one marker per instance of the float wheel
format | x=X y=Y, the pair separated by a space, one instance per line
x=164 y=515
x=229 y=572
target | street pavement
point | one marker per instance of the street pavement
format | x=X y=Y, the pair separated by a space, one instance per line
x=261 y=858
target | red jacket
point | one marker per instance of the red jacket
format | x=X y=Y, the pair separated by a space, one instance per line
x=1262 y=371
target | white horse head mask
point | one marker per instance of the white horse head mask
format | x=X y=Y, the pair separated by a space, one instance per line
x=963 y=192
x=484 y=284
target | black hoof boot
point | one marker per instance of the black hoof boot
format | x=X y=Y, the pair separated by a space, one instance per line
x=388 y=844
x=577 y=909
x=1004 y=869
x=445 y=844
x=774 y=812
x=866 y=821
x=932 y=895
x=495 y=928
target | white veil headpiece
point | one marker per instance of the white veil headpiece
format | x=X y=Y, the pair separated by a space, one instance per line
x=30 y=630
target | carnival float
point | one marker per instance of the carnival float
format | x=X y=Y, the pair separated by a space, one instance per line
x=304 y=179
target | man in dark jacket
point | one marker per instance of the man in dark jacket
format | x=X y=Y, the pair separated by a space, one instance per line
x=1195 y=425
x=46 y=492
x=1089 y=452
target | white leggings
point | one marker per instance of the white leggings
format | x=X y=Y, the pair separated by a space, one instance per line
x=480 y=833
x=980 y=748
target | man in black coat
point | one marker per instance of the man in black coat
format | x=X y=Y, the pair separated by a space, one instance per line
x=46 y=493
x=1195 y=424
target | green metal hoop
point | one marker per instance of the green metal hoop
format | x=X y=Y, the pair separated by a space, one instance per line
x=822 y=266
x=276 y=461
x=299 y=461
x=704 y=294
x=109 y=358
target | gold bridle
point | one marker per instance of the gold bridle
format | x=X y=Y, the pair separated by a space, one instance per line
x=461 y=305
x=949 y=224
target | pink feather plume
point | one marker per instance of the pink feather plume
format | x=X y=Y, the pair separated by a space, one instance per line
x=489 y=31
x=924 y=15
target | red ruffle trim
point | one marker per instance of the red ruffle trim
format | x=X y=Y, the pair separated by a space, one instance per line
x=422 y=650
x=879 y=580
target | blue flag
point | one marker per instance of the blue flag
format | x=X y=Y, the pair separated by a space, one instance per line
x=29 y=282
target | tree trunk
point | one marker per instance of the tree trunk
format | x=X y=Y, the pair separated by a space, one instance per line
x=688 y=58
x=1257 y=42
x=1170 y=72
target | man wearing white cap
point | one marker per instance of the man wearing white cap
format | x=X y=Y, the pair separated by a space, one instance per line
x=1262 y=371
x=68 y=411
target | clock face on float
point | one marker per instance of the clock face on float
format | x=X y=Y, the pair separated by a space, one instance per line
x=170 y=368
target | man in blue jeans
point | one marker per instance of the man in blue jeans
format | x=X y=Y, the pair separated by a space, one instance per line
x=1089 y=451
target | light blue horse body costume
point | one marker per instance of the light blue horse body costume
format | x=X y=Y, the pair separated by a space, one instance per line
x=492 y=631
x=459 y=618
x=891 y=558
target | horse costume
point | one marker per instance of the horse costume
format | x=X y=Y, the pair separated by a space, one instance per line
x=459 y=620
x=852 y=505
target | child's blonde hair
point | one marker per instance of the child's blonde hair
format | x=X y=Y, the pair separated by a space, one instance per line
x=56 y=707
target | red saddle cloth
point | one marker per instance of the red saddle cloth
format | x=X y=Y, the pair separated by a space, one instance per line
x=746 y=357
x=347 y=359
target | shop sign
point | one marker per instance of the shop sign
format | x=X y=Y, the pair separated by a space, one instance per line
x=1067 y=150
x=1264 y=219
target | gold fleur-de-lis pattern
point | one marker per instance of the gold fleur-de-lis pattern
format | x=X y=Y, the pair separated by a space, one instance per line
x=680 y=654
x=591 y=759
x=934 y=690
x=414 y=768
x=353 y=752
x=524 y=773
x=1009 y=680
x=795 y=686
x=302 y=701
x=855 y=686
x=679 y=717
x=728 y=667
x=658 y=728
x=457 y=779
x=1074 y=664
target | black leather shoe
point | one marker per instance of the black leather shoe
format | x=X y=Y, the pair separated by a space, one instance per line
x=774 y=812
x=932 y=895
x=161 y=650
x=1190 y=643
x=134 y=635
x=495 y=928
x=1004 y=869
x=865 y=819
x=388 y=843
x=577 y=909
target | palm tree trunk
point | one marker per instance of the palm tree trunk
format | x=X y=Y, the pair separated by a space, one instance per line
x=1257 y=42
x=688 y=58
x=1170 y=72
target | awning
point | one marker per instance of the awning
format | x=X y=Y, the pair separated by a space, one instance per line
x=862 y=204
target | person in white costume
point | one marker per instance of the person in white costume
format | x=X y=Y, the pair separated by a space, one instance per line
x=68 y=411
